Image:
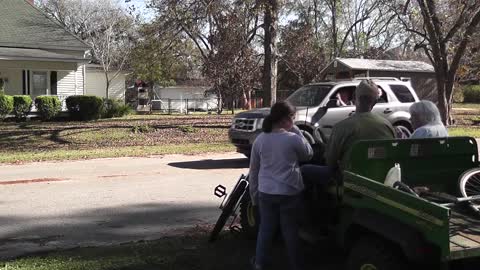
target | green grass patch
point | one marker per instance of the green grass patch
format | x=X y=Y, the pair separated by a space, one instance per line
x=136 y=135
x=466 y=106
x=464 y=131
x=111 y=152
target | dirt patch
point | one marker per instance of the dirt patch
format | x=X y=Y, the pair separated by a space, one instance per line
x=31 y=181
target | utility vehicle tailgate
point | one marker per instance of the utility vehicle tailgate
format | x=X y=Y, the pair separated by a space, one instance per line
x=464 y=234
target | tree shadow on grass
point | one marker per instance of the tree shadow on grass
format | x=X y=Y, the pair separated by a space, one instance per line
x=186 y=251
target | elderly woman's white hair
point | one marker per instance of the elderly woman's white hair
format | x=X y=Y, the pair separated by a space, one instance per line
x=424 y=113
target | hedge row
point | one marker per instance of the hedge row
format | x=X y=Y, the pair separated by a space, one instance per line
x=471 y=94
x=93 y=107
x=48 y=107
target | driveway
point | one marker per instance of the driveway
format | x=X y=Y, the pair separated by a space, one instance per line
x=54 y=205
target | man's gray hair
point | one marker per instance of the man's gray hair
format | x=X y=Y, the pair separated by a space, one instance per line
x=425 y=112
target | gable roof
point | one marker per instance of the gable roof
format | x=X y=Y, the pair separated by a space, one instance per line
x=386 y=65
x=24 y=26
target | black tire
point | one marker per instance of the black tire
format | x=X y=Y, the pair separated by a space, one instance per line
x=404 y=129
x=372 y=253
x=249 y=217
x=308 y=136
x=228 y=209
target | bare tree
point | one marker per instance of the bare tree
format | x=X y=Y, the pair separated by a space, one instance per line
x=270 y=62
x=104 y=25
x=444 y=28
x=223 y=32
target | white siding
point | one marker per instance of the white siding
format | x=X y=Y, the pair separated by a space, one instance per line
x=96 y=85
x=70 y=82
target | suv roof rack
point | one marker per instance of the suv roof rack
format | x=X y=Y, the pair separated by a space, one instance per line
x=376 y=78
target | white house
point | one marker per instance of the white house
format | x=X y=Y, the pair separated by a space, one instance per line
x=96 y=82
x=191 y=95
x=37 y=55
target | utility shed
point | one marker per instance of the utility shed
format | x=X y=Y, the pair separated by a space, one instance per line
x=420 y=74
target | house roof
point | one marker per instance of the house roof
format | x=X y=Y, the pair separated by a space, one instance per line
x=36 y=54
x=24 y=26
x=386 y=65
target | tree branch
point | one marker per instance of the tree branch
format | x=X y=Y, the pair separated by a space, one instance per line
x=463 y=44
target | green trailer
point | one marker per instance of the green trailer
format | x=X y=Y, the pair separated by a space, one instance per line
x=428 y=220
x=391 y=228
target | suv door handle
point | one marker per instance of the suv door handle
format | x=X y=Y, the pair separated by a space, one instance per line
x=351 y=113
x=387 y=111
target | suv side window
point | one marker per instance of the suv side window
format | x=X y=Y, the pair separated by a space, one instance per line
x=383 y=98
x=344 y=96
x=403 y=93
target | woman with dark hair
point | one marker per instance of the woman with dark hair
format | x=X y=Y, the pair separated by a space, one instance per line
x=276 y=182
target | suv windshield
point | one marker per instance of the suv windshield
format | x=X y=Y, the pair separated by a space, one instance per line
x=309 y=95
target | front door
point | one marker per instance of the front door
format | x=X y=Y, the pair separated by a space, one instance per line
x=39 y=83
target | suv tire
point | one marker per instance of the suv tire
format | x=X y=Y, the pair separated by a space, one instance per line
x=373 y=253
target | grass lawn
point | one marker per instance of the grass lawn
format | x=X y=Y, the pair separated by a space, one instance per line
x=135 y=135
x=191 y=251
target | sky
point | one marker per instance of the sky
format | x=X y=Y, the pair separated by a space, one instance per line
x=140 y=5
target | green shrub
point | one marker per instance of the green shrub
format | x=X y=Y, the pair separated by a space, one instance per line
x=115 y=108
x=6 y=105
x=142 y=129
x=48 y=106
x=458 y=95
x=84 y=107
x=21 y=107
x=471 y=94
x=187 y=129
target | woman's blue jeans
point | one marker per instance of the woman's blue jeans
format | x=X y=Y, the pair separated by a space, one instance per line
x=279 y=211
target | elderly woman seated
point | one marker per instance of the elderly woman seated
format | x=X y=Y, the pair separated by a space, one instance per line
x=426 y=121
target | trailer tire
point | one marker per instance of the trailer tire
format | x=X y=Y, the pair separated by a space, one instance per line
x=373 y=253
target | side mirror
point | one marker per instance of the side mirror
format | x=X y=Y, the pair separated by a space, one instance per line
x=332 y=103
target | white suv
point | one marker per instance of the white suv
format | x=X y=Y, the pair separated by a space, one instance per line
x=319 y=108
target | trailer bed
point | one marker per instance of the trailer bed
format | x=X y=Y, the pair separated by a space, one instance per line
x=464 y=233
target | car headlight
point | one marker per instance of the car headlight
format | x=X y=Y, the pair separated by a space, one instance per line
x=259 y=123
x=233 y=123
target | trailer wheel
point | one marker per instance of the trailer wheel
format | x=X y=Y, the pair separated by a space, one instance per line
x=249 y=217
x=469 y=183
x=371 y=253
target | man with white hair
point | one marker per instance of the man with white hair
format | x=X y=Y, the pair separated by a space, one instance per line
x=426 y=120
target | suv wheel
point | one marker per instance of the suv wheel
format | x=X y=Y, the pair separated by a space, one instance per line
x=404 y=131
x=372 y=253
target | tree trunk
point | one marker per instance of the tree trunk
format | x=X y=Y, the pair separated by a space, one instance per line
x=270 y=48
x=107 y=84
x=219 y=103
x=334 y=29
x=445 y=83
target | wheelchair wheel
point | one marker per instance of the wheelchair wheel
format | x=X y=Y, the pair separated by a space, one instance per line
x=470 y=186
x=228 y=208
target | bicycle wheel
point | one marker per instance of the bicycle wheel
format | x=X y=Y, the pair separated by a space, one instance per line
x=470 y=186
x=228 y=209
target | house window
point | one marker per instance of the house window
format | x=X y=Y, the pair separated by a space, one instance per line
x=39 y=83
x=53 y=82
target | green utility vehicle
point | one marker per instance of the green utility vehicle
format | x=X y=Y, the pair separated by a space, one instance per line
x=429 y=218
